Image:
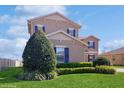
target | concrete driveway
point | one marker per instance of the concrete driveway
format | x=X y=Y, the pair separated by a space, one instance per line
x=120 y=69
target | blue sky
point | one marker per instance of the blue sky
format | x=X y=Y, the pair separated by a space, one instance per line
x=105 y=22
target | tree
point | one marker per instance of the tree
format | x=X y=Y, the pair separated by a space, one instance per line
x=39 y=61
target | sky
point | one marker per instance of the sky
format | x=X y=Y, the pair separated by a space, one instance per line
x=105 y=22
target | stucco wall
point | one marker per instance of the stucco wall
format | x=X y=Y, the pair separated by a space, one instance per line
x=92 y=39
x=115 y=59
x=76 y=49
x=51 y=25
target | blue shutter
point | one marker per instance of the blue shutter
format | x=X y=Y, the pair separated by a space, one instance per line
x=68 y=31
x=55 y=49
x=66 y=55
x=35 y=28
x=74 y=33
x=43 y=28
x=93 y=44
x=88 y=44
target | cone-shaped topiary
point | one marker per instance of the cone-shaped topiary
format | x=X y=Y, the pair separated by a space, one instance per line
x=39 y=58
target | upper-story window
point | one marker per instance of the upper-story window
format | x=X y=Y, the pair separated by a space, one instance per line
x=39 y=27
x=91 y=44
x=72 y=32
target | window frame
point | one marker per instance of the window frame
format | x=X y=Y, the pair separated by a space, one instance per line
x=63 y=54
x=73 y=32
x=92 y=44
x=40 y=27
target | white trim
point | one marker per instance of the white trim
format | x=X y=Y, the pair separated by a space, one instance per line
x=91 y=52
x=60 y=31
x=39 y=25
x=70 y=28
x=62 y=46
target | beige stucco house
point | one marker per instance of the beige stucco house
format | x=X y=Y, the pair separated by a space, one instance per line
x=64 y=35
x=116 y=56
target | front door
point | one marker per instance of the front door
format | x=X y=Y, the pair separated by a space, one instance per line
x=91 y=57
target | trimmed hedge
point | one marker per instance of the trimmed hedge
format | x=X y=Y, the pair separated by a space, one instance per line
x=105 y=69
x=74 y=65
x=62 y=71
x=98 y=69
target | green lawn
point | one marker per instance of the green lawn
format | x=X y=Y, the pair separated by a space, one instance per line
x=88 y=80
x=119 y=66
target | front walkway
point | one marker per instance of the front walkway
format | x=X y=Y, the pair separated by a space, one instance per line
x=120 y=69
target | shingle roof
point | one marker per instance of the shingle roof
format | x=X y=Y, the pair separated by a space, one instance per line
x=116 y=51
x=82 y=38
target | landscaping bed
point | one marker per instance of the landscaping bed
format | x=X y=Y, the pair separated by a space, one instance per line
x=82 y=74
x=85 y=80
x=83 y=67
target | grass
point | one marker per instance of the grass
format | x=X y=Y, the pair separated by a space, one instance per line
x=119 y=66
x=87 y=80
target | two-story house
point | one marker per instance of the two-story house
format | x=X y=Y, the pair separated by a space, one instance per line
x=64 y=35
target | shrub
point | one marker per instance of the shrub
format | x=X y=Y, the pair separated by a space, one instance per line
x=98 y=69
x=101 y=61
x=62 y=71
x=105 y=69
x=38 y=57
x=75 y=64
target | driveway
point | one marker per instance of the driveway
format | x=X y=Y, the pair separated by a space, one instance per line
x=120 y=69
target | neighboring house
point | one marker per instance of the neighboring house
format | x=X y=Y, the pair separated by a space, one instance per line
x=64 y=35
x=6 y=63
x=116 y=57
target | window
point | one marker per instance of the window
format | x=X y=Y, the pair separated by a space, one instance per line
x=72 y=32
x=39 y=27
x=91 y=44
x=60 y=54
x=91 y=57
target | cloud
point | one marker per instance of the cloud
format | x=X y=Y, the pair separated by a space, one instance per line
x=113 y=45
x=4 y=18
x=13 y=19
x=17 y=30
x=40 y=10
x=12 y=48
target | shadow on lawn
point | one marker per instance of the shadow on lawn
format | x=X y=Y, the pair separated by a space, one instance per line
x=10 y=75
x=9 y=80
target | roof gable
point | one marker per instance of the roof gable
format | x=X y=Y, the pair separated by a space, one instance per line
x=67 y=35
x=59 y=36
x=56 y=16
x=83 y=38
